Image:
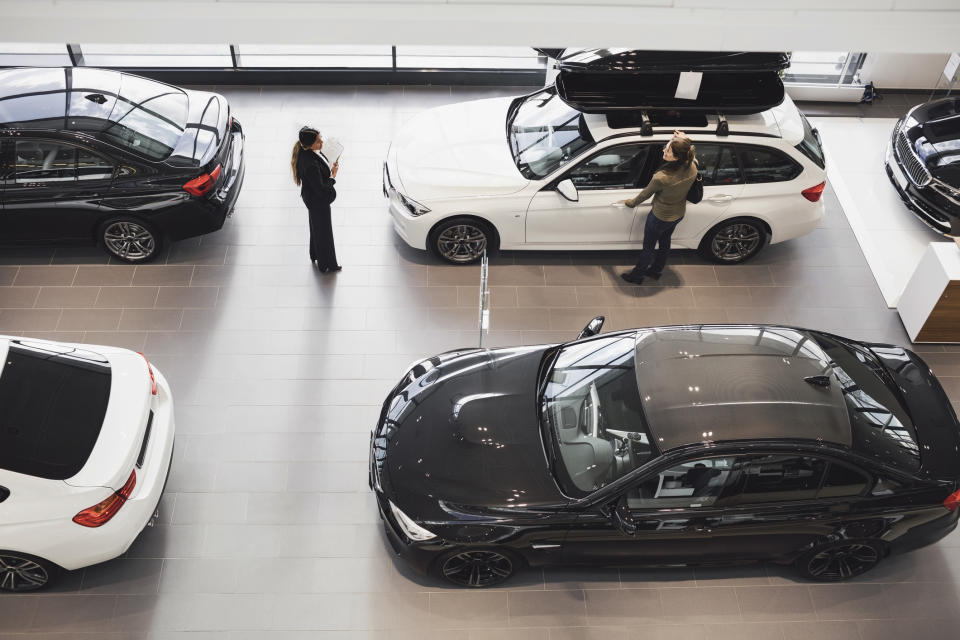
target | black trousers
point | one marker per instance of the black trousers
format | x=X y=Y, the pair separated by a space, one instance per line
x=321 y=235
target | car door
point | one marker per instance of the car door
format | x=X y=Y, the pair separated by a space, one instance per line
x=722 y=187
x=601 y=179
x=54 y=191
x=745 y=507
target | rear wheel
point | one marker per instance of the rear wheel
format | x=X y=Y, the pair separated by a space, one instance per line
x=22 y=572
x=462 y=240
x=477 y=568
x=735 y=240
x=838 y=561
x=129 y=239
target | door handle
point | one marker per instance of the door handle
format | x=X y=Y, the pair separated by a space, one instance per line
x=720 y=198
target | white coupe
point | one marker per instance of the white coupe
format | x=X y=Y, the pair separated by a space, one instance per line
x=86 y=440
x=534 y=173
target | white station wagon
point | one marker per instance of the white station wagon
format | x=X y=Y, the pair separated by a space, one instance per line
x=86 y=440
x=534 y=173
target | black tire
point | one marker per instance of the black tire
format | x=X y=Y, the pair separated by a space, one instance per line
x=733 y=241
x=461 y=240
x=20 y=572
x=129 y=239
x=477 y=567
x=839 y=561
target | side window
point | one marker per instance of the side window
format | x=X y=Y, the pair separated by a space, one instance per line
x=613 y=168
x=90 y=166
x=707 y=157
x=773 y=478
x=4 y=493
x=696 y=483
x=42 y=161
x=728 y=168
x=767 y=165
x=842 y=481
x=886 y=487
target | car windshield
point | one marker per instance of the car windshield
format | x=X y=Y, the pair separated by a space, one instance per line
x=545 y=134
x=592 y=410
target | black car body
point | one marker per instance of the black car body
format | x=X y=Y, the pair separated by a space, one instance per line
x=923 y=163
x=671 y=445
x=90 y=155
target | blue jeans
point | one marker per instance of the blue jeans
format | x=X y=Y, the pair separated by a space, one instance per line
x=655 y=232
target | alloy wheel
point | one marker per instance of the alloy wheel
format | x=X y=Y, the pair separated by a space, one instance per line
x=843 y=561
x=462 y=243
x=129 y=240
x=477 y=568
x=736 y=242
x=21 y=574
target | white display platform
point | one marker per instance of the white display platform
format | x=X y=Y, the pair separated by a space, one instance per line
x=891 y=236
x=923 y=307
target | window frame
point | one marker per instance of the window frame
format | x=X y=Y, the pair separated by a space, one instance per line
x=742 y=148
x=567 y=174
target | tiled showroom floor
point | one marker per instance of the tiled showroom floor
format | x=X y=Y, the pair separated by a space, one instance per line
x=268 y=528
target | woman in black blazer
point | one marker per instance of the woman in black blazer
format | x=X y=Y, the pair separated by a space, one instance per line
x=316 y=179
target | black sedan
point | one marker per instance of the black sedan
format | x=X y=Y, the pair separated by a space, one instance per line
x=89 y=155
x=923 y=163
x=664 y=446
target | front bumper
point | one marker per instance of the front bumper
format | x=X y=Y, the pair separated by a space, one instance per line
x=412 y=230
x=917 y=199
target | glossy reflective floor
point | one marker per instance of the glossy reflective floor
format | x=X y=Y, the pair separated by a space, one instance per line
x=268 y=529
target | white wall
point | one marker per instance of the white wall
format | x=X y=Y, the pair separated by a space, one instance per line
x=918 y=26
x=905 y=70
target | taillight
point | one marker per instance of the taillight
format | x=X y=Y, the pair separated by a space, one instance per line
x=813 y=193
x=201 y=185
x=952 y=501
x=153 y=380
x=100 y=513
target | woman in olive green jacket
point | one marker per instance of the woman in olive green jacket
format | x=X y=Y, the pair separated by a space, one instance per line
x=669 y=187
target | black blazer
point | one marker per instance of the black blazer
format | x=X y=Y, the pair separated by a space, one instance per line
x=316 y=185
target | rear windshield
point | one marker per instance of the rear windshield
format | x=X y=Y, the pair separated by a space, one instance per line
x=52 y=405
x=882 y=428
x=149 y=117
x=810 y=145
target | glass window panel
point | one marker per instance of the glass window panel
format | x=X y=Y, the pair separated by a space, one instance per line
x=157 y=55
x=690 y=484
x=772 y=478
x=616 y=168
x=428 y=57
x=90 y=166
x=315 y=56
x=842 y=481
x=33 y=54
x=41 y=161
x=767 y=165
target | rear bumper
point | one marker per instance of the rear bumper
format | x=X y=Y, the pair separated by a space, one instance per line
x=79 y=546
x=926 y=534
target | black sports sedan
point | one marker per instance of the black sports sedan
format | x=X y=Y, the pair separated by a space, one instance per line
x=923 y=163
x=663 y=446
x=90 y=155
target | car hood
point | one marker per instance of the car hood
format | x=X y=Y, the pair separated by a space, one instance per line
x=465 y=433
x=457 y=151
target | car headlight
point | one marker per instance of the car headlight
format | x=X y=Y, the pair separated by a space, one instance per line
x=410 y=528
x=414 y=207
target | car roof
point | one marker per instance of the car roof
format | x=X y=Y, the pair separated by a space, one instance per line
x=717 y=382
x=782 y=121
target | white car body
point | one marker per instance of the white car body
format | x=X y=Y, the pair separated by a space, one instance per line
x=37 y=516
x=456 y=160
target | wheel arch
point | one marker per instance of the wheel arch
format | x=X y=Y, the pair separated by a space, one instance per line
x=470 y=216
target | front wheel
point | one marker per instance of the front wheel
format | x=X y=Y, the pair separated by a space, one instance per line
x=462 y=240
x=129 y=239
x=735 y=240
x=838 y=561
x=477 y=568
x=21 y=572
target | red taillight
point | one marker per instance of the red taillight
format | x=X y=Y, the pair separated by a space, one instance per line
x=952 y=501
x=813 y=193
x=201 y=185
x=153 y=381
x=100 y=513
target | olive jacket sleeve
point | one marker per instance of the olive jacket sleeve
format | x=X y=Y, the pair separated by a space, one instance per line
x=652 y=188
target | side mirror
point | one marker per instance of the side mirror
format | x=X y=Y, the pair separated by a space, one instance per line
x=593 y=328
x=622 y=519
x=567 y=189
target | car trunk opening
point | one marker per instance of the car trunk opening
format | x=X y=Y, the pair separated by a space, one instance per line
x=53 y=401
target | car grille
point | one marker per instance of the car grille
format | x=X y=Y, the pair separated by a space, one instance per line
x=911 y=163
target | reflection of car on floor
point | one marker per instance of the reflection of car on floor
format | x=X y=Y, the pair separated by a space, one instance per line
x=86 y=440
x=535 y=173
x=662 y=446
x=96 y=156
x=923 y=163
